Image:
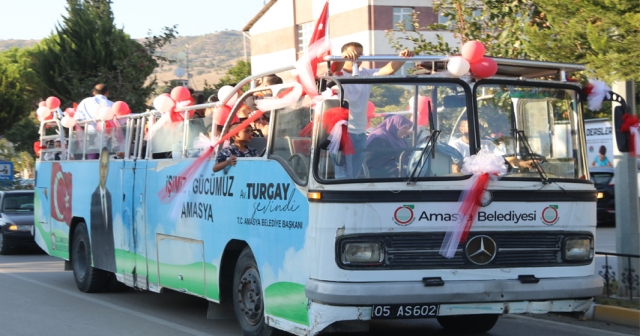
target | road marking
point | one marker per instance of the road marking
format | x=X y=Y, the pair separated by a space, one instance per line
x=112 y=306
x=574 y=326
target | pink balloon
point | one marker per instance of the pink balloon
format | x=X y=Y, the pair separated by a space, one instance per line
x=220 y=114
x=42 y=103
x=121 y=108
x=70 y=112
x=484 y=68
x=180 y=93
x=473 y=51
x=53 y=102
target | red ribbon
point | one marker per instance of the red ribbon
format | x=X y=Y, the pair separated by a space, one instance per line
x=330 y=118
x=629 y=121
x=471 y=203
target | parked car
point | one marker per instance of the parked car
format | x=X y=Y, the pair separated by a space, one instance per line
x=16 y=220
x=604 y=181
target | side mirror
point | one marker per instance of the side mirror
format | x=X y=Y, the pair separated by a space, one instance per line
x=622 y=138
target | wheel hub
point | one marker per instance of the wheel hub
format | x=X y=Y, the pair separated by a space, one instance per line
x=249 y=296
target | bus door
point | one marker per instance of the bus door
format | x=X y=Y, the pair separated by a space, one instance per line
x=133 y=188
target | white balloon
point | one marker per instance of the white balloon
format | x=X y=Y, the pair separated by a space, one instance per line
x=225 y=91
x=458 y=66
x=68 y=121
x=105 y=113
x=44 y=112
x=163 y=103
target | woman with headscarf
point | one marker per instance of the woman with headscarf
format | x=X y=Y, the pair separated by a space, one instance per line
x=385 y=137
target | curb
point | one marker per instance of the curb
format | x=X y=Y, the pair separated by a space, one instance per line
x=612 y=314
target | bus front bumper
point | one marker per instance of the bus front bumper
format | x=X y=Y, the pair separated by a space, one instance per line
x=478 y=291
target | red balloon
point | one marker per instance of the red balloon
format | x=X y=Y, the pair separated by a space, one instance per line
x=42 y=103
x=37 y=147
x=485 y=68
x=220 y=114
x=473 y=51
x=70 y=112
x=121 y=108
x=180 y=93
x=423 y=110
x=53 y=103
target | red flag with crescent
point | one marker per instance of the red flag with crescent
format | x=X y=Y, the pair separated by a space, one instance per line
x=61 y=187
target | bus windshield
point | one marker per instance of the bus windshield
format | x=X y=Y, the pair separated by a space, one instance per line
x=404 y=122
x=534 y=128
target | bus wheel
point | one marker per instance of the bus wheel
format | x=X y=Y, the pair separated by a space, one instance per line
x=88 y=279
x=468 y=323
x=248 y=303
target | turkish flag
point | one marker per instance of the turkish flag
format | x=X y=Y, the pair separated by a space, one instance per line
x=61 y=188
x=320 y=30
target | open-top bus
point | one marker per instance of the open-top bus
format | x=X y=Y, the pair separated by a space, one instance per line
x=290 y=245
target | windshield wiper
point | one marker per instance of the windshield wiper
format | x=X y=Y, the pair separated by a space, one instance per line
x=428 y=149
x=538 y=165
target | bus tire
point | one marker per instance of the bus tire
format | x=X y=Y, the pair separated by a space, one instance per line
x=248 y=303
x=88 y=279
x=474 y=324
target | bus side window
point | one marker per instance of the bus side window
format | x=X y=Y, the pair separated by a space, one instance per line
x=291 y=140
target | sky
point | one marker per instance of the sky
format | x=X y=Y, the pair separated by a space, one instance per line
x=36 y=19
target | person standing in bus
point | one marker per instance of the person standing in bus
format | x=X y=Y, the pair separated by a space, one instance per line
x=228 y=156
x=358 y=97
x=387 y=136
x=102 y=244
x=88 y=107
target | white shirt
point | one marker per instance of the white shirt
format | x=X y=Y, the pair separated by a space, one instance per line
x=463 y=147
x=358 y=97
x=88 y=107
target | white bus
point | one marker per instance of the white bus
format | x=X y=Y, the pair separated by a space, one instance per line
x=289 y=244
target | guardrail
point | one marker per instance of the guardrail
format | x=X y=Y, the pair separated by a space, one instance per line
x=629 y=277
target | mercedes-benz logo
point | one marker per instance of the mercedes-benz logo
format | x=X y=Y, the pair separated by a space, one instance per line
x=481 y=250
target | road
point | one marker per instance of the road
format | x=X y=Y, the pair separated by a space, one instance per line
x=38 y=298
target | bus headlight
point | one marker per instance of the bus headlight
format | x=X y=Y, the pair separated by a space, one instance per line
x=578 y=248
x=362 y=253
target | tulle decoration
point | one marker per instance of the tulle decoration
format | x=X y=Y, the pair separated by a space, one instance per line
x=330 y=118
x=290 y=98
x=484 y=166
x=307 y=64
x=631 y=124
x=189 y=174
x=596 y=91
x=335 y=136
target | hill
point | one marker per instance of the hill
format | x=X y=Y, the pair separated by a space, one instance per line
x=209 y=56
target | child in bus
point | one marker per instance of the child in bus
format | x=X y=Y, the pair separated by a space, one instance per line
x=228 y=156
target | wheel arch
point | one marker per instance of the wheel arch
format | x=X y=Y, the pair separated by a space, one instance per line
x=75 y=221
x=228 y=262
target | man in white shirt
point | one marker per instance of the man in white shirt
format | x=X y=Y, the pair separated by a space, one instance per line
x=462 y=145
x=88 y=107
x=358 y=97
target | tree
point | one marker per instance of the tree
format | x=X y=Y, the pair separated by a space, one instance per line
x=18 y=86
x=498 y=24
x=604 y=35
x=23 y=134
x=238 y=72
x=88 y=49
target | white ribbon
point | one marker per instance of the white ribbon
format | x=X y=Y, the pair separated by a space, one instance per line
x=335 y=136
x=274 y=103
x=599 y=91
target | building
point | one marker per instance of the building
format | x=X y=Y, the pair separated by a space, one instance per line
x=280 y=32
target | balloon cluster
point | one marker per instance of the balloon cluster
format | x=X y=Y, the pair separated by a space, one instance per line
x=166 y=103
x=221 y=113
x=45 y=108
x=472 y=58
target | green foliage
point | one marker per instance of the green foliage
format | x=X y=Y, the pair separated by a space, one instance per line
x=22 y=161
x=88 y=49
x=238 y=72
x=23 y=134
x=18 y=85
x=384 y=95
x=603 y=35
x=500 y=27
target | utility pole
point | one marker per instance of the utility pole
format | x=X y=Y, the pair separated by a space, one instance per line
x=627 y=200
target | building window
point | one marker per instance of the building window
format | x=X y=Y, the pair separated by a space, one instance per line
x=404 y=14
x=305 y=31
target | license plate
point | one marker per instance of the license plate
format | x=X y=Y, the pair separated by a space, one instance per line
x=399 y=311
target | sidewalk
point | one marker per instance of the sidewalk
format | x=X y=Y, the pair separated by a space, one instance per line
x=613 y=314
